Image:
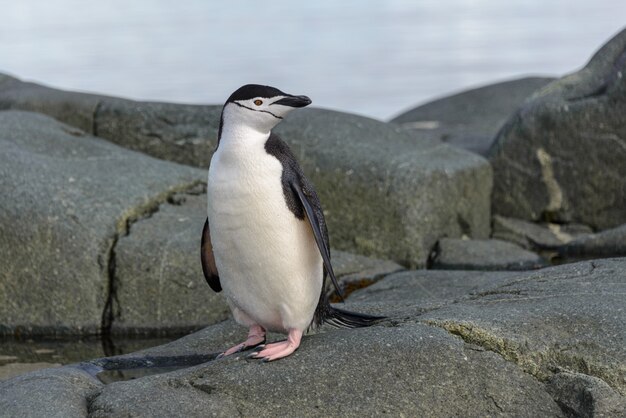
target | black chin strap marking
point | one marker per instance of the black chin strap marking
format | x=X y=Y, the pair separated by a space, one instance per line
x=257 y=110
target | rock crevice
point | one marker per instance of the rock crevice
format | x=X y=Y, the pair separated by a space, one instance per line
x=112 y=308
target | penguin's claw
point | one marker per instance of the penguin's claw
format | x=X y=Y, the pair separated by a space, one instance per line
x=256 y=337
x=280 y=349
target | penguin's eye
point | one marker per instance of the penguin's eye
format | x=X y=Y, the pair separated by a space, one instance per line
x=258 y=102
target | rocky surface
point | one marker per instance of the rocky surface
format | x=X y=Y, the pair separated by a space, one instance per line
x=71 y=198
x=470 y=119
x=160 y=285
x=414 y=292
x=569 y=317
x=15 y=369
x=58 y=392
x=542 y=343
x=469 y=380
x=580 y=395
x=176 y=132
x=607 y=243
x=355 y=271
x=363 y=169
x=561 y=156
x=488 y=254
x=537 y=236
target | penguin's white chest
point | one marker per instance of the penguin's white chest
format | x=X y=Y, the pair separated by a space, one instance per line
x=268 y=262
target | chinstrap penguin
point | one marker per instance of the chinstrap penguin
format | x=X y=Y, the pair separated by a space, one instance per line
x=265 y=241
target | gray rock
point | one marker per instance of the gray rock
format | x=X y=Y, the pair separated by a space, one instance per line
x=608 y=243
x=580 y=395
x=160 y=285
x=536 y=236
x=425 y=371
x=58 y=392
x=76 y=109
x=386 y=194
x=176 y=132
x=364 y=170
x=10 y=370
x=487 y=254
x=71 y=197
x=420 y=291
x=355 y=271
x=569 y=317
x=544 y=343
x=560 y=157
x=470 y=119
x=185 y=134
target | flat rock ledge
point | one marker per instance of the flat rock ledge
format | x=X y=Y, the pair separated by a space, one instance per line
x=543 y=343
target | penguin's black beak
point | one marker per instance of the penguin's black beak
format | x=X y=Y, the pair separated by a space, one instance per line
x=293 y=101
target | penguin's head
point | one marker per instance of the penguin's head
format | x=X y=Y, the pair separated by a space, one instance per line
x=260 y=107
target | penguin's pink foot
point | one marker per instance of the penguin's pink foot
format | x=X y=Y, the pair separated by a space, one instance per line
x=280 y=349
x=256 y=337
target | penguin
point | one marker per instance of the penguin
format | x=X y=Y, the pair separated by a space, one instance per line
x=265 y=243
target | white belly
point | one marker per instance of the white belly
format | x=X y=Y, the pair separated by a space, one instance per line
x=269 y=265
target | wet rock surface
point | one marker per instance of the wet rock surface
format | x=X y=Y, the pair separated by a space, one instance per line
x=489 y=254
x=470 y=119
x=560 y=157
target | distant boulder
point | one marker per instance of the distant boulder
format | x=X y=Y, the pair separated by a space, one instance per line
x=470 y=119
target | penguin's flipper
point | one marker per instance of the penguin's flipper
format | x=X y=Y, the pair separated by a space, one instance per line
x=209 y=267
x=317 y=225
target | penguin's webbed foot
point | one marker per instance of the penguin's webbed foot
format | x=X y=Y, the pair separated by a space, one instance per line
x=256 y=337
x=280 y=349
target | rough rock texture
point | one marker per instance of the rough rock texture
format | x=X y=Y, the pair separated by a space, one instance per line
x=59 y=392
x=470 y=119
x=420 y=291
x=386 y=194
x=580 y=395
x=487 y=254
x=561 y=156
x=569 y=317
x=71 y=197
x=181 y=133
x=161 y=287
x=15 y=369
x=544 y=343
x=608 y=243
x=444 y=377
x=536 y=236
x=364 y=170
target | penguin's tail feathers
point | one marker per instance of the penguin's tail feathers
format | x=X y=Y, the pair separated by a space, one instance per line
x=345 y=319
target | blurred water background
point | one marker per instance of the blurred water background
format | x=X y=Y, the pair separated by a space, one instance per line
x=374 y=58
